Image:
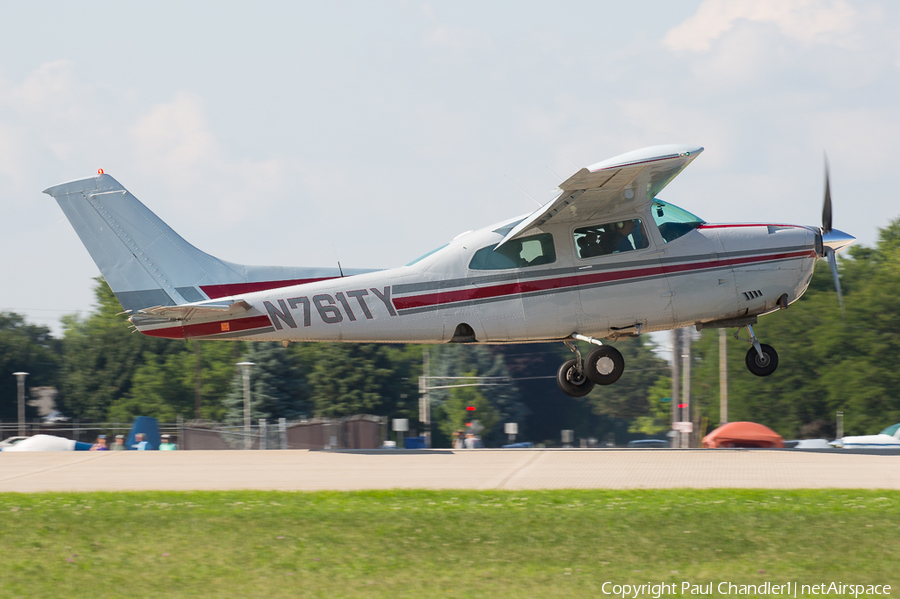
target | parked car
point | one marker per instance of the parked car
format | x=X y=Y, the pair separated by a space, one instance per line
x=649 y=443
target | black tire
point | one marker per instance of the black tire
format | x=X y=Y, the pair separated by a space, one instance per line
x=604 y=365
x=762 y=366
x=571 y=382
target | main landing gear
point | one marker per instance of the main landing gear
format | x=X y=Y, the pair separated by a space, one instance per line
x=761 y=359
x=603 y=366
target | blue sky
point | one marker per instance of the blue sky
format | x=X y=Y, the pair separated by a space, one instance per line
x=296 y=133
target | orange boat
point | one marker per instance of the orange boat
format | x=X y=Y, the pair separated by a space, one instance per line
x=743 y=434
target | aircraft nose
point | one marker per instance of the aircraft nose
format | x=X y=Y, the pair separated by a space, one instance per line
x=837 y=240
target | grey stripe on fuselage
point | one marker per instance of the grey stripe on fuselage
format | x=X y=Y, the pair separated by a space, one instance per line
x=552 y=272
x=191 y=294
x=148 y=298
x=573 y=288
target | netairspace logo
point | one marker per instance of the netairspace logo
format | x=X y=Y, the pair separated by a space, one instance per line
x=787 y=589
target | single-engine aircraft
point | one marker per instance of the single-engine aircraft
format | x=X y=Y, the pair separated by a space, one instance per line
x=605 y=259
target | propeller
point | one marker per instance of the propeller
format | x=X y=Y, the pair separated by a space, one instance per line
x=826 y=205
x=833 y=240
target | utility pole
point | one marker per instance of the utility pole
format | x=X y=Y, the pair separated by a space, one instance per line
x=248 y=425
x=20 y=380
x=686 y=383
x=424 y=399
x=676 y=369
x=723 y=378
x=198 y=383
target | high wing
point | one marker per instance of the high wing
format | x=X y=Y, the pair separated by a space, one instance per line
x=627 y=181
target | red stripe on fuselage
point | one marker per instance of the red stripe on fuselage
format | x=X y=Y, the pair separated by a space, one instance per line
x=205 y=329
x=447 y=297
x=229 y=289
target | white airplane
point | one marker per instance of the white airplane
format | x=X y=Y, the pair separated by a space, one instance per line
x=605 y=259
x=889 y=438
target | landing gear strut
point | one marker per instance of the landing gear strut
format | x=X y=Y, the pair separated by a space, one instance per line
x=603 y=366
x=761 y=359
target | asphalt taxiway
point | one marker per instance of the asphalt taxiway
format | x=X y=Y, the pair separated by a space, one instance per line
x=526 y=469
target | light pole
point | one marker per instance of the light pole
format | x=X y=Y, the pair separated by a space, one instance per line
x=20 y=378
x=245 y=367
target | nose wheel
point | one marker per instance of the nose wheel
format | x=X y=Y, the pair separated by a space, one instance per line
x=761 y=359
x=603 y=366
x=762 y=365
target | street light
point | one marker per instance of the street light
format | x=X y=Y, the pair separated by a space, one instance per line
x=20 y=378
x=245 y=367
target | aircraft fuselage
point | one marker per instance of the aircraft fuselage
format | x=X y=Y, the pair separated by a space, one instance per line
x=661 y=280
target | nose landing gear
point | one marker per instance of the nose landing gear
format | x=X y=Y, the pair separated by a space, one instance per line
x=761 y=359
x=603 y=366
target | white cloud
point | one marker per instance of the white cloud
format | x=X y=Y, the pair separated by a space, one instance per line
x=48 y=91
x=176 y=134
x=807 y=21
x=457 y=39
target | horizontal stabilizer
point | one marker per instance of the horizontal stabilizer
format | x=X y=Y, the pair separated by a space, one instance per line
x=191 y=311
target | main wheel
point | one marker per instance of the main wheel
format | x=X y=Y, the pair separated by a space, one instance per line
x=762 y=366
x=573 y=383
x=604 y=365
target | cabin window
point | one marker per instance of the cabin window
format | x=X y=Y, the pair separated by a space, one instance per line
x=533 y=250
x=610 y=238
x=673 y=222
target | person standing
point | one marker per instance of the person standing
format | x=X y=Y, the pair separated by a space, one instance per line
x=140 y=442
x=119 y=445
x=166 y=445
x=100 y=445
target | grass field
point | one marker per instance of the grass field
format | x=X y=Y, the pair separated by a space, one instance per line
x=435 y=543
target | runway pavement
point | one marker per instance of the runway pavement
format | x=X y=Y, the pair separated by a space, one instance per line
x=444 y=469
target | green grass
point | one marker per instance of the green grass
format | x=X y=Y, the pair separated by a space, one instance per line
x=436 y=543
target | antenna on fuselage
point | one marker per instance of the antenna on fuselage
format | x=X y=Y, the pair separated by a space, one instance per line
x=523 y=191
x=338 y=259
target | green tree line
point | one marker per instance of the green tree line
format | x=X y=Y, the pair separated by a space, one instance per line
x=828 y=362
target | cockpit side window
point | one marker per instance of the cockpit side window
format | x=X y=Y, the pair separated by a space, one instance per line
x=533 y=250
x=673 y=222
x=610 y=238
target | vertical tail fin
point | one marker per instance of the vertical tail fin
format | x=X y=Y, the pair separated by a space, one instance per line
x=148 y=264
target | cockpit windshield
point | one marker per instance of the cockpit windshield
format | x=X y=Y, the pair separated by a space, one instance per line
x=422 y=257
x=673 y=222
x=891 y=430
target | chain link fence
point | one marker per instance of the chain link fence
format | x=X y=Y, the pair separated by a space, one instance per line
x=362 y=431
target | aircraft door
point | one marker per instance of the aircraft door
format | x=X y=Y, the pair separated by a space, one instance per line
x=620 y=281
x=700 y=277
